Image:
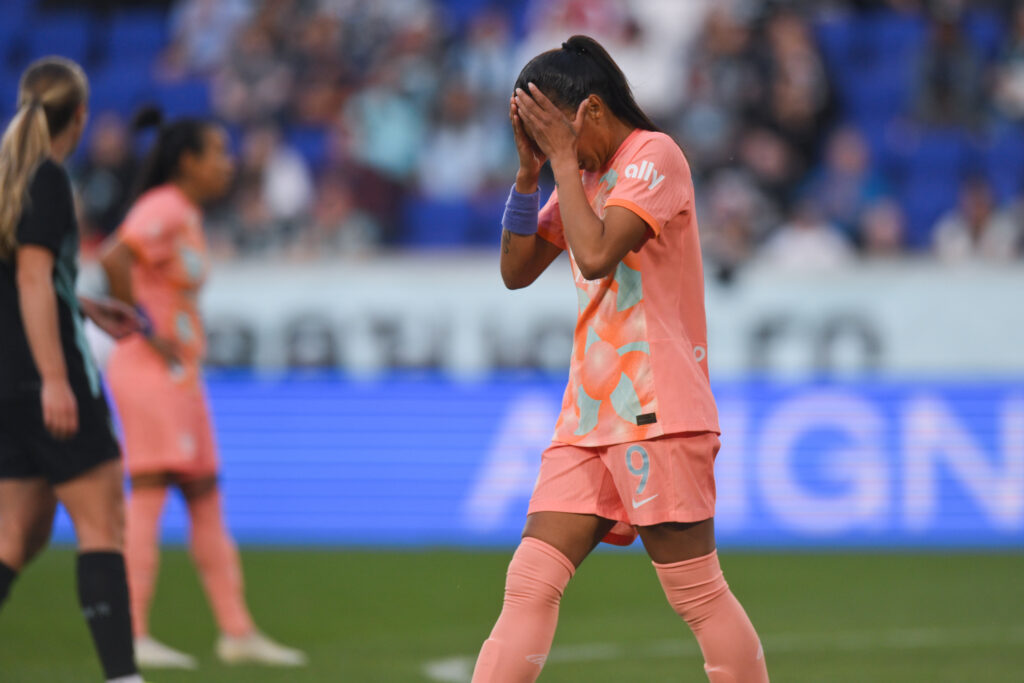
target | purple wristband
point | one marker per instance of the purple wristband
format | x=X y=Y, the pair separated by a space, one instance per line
x=521 y=212
x=146 y=328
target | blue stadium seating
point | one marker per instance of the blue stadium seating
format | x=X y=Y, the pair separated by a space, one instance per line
x=985 y=31
x=435 y=223
x=123 y=87
x=485 y=230
x=137 y=34
x=69 y=34
x=311 y=142
x=1004 y=162
x=895 y=37
x=184 y=98
x=932 y=170
x=870 y=58
x=8 y=90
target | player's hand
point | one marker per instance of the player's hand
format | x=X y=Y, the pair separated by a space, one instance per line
x=530 y=156
x=60 y=408
x=550 y=129
x=114 y=317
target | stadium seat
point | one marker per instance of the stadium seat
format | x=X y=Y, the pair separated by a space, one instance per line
x=68 y=34
x=485 y=230
x=896 y=37
x=137 y=34
x=436 y=223
x=8 y=90
x=933 y=169
x=311 y=142
x=878 y=93
x=985 y=31
x=15 y=18
x=123 y=88
x=12 y=32
x=184 y=98
x=1004 y=162
x=835 y=38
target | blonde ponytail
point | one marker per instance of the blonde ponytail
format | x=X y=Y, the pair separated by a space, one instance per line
x=25 y=144
x=51 y=91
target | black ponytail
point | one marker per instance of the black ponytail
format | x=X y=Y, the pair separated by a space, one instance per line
x=579 y=69
x=173 y=139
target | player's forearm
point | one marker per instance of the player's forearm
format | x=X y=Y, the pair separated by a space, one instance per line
x=520 y=259
x=38 y=301
x=526 y=181
x=117 y=264
x=584 y=231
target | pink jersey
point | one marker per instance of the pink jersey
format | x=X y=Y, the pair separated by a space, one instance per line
x=163 y=409
x=164 y=230
x=639 y=365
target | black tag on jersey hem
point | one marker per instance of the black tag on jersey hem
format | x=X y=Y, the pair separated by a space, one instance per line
x=646 y=419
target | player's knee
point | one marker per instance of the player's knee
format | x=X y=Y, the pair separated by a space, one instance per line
x=37 y=538
x=693 y=587
x=12 y=546
x=101 y=527
x=22 y=538
x=537 y=575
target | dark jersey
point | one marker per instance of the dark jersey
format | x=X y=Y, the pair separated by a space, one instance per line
x=48 y=221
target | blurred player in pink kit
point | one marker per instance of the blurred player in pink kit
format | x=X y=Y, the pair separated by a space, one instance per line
x=635 y=444
x=157 y=262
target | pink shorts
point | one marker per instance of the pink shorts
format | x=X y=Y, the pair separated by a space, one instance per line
x=164 y=415
x=667 y=479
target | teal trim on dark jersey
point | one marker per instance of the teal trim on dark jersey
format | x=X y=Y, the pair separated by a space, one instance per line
x=65 y=275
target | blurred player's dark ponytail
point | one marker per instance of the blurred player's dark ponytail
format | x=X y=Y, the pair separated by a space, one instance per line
x=580 y=68
x=173 y=139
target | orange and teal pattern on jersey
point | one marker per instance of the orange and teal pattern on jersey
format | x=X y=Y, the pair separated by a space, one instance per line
x=639 y=362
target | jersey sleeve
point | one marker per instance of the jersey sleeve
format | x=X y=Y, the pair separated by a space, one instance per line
x=549 y=222
x=655 y=184
x=46 y=219
x=149 y=231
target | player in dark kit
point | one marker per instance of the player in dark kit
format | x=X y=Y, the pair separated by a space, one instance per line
x=56 y=441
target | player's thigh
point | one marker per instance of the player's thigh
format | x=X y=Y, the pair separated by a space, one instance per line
x=196 y=486
x=95 y=502
x=678 y=541
x=27 y=507
x=574 y=535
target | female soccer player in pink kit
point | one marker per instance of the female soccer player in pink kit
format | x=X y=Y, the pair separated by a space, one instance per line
x=635 y=445
x=157 y=262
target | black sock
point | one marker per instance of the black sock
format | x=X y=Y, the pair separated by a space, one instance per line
x=103 y=594
x=7 y=577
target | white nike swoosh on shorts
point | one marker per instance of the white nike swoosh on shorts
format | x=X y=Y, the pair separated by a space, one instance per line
x=637 y=504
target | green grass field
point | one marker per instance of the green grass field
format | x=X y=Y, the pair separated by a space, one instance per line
x=420 y=616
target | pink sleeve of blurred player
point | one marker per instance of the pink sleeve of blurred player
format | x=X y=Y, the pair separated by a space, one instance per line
x=149 y=229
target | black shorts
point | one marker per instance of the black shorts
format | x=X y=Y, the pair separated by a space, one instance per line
x=28 y=450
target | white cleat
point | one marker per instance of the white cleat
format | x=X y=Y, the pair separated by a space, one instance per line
x=152 y=654
x=257 y=648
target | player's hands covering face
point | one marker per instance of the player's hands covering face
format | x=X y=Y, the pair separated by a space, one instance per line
x=530 y=156
x=552 y=131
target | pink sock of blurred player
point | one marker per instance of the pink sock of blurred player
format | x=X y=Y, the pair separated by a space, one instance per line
x=219 y=566
x=518 y=645
x=697 y=591
x=142 y=550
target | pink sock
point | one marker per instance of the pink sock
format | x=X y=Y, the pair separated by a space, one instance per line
x=216 y=557
x=698 y=592
x=520 y=641
x=142 y=550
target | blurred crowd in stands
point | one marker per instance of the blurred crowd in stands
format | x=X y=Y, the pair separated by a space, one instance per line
x=818 y=132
